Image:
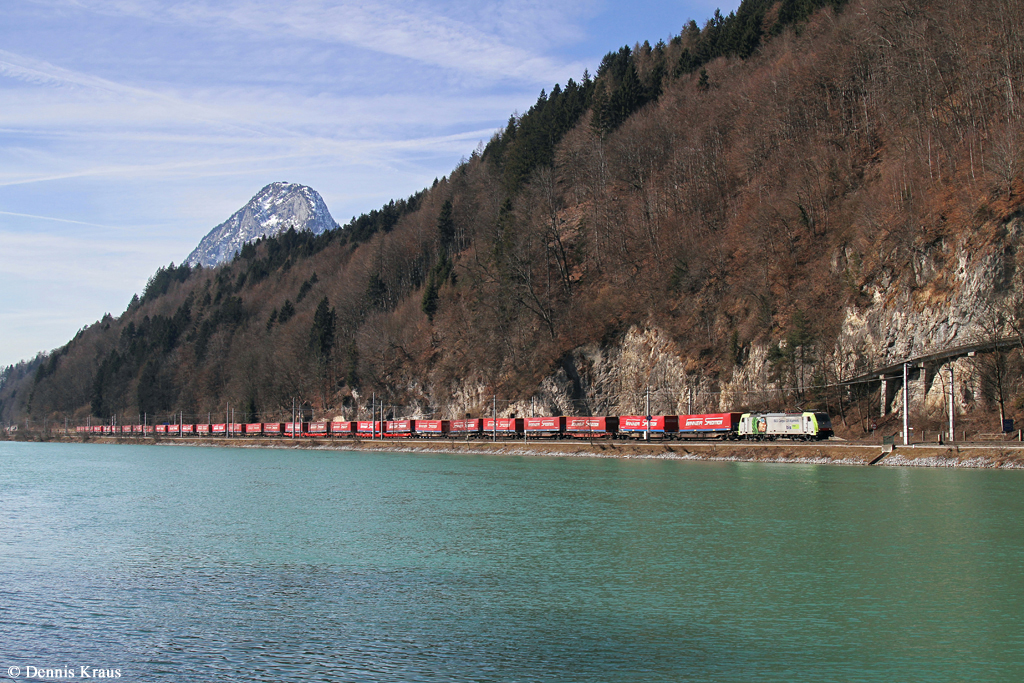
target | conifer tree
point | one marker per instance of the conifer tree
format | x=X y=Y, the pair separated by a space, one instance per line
x=321 y=334
x=446 y=227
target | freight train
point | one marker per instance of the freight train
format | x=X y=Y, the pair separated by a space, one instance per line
x=807 y=426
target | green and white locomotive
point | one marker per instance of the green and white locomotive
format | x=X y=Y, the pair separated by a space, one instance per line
x=771 y=426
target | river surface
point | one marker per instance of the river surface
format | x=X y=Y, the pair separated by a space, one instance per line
x=173 y=563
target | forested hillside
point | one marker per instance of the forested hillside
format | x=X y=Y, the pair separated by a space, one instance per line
x=732 y=203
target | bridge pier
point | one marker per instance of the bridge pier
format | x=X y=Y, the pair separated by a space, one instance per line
x=883 y=394
x=890 y=387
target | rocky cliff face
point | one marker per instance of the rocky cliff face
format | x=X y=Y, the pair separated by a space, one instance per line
x=275 y=209
x=961 y=293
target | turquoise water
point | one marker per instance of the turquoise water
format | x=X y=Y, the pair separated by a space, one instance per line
x=214 y=564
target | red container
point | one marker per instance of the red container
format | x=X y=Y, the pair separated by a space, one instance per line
x=466 y=427
x=316 y=429
x=544 y=426
x=716 y=424
x=592 y=427
x=254 y=428
x=272 y=428
x=219 y=429
x=658 y=426
x=504 y=425
x=432 y=427
x=368 y=429
x=235 y=428
x=295 y=428
x=195 y=429
x=161 y=429
x=342 y=428
x=147 y=429
x=398 y=428
x=137 y=429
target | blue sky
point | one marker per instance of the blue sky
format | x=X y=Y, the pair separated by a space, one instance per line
x=130 y=128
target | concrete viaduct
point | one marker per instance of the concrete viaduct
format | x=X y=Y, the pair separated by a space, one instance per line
x=924 y=368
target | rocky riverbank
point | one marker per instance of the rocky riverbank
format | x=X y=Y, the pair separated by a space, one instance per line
x=1003 y=456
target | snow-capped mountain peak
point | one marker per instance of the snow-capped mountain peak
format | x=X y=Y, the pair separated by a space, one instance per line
x=273 y=210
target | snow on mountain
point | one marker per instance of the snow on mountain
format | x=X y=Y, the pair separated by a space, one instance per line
x=273 y=210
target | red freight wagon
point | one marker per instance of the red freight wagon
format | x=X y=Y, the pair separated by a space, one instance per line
x=138 y=429
x=466 y=427
x=432 y=427
x=504 y=426
x=368 y=429
x=544 y=426
x=220 y=428
x=198 y=429
x=148 y=429
x=127 y=429
x=254 y=428
x=295 y=428
x=272 y=428
x=658 y=427
x=316 y=429
x=236 y=428
x=398 y=428
x=592 y=427
x=342 y=428
x=98 y=429
x=161 y=429
x=718 y=424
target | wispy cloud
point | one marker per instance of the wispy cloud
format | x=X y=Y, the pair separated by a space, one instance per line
x=54 y=219
x=422 y=32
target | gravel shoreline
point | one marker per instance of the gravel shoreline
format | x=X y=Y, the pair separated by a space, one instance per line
x=975 y=456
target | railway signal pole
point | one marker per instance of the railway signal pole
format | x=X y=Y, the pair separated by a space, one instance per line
x=647 y=417
x=952 y=433
x=906 y=406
